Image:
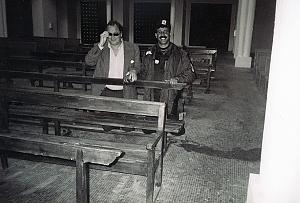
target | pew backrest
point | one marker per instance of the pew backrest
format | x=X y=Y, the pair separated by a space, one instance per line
x=87 y=102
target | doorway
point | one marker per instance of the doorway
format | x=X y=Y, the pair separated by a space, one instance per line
x=210 y=25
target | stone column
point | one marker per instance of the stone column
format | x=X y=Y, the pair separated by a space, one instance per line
x=3 y=24
x=118 y=11
x=62 y=19
x=37 y=18
x=131 y=21
x=232 y=26
x=279 y=178
x=187 y=22
x=244 y=29
x=178 y=22
x=172 y=19
x=108 y=10
x=44 y=17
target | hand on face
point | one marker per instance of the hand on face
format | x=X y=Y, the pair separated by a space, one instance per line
x=103 y=37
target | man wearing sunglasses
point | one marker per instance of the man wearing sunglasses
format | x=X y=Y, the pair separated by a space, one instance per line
x=166 y=62
x=114 y=58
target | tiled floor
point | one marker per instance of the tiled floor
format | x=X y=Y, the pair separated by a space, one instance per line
x=210 y=163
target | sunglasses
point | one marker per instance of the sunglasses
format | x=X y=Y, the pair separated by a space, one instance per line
x=113 y=34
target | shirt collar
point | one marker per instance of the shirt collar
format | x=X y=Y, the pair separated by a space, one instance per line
x=120 y=47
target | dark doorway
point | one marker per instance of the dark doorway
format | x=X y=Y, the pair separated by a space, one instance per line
x=210 y=25
x=19 y=18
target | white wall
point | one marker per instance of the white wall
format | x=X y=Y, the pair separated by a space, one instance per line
x=279 y=178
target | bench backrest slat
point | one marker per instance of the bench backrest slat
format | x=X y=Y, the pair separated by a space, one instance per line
x=44 y=62
x=57 y=146
x=91 y=80
x=88 y=102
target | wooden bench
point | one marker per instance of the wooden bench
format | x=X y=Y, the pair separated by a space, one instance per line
x=60 y=55
x=32 y=64
x=172 y=126
x=21 y=48
x=131 y=153
x=204 y=63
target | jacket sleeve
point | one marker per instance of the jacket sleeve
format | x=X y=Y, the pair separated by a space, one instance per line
x=137 y=59
x=146 y=61
x=186 y=73
x=93 y=55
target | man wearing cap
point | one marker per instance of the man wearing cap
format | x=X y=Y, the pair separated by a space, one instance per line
x=165 y=61
x=114 y=58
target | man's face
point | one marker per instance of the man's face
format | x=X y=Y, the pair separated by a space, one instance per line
x=114 y=35
x=163 y=36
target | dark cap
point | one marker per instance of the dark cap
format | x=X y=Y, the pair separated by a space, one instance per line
x=163 y=23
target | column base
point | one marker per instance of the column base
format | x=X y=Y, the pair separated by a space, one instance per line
x=253 y=193
x=243 y=62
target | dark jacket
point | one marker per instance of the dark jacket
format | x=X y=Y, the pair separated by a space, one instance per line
x=178 y=66
x=100 y=59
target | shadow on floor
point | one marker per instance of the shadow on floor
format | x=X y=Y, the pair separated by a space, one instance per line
x=236 y=153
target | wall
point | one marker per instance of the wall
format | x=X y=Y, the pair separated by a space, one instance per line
x=262 y=35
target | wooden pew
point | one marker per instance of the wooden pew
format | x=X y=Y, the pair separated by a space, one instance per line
x=21 y=48
x=49 y=66
x=141 y=155
x=172 y=126
x=59 y=55
x=80 y=150
x=204 y=63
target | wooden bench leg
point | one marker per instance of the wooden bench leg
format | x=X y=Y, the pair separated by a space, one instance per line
x=56 y=85
x=84 y=85
x=64 y=84
x=3 y=113
x=82 y=193
x=150 y=176
x=4 y=162
x=207 y=90
x=57 y=128
x=160 y=166
x=45 y=126
x=40 y=70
